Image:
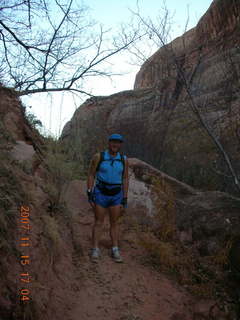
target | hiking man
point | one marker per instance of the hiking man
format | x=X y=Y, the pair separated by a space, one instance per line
x=110 y=168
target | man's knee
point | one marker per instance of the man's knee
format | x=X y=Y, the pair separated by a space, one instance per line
x=114 y=221
x=99 y=223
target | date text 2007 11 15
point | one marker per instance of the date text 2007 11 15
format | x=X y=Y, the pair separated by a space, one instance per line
x=25 y=256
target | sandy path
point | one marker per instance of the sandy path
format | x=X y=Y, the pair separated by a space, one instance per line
x=120 y=291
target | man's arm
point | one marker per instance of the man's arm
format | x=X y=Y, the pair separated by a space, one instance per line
x=92 y=171
x=125 y=180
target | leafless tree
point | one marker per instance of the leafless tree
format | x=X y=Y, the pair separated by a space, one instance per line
x=185 y=78
x=48 y=46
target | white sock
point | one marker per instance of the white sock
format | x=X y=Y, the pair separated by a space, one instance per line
x=114 y=248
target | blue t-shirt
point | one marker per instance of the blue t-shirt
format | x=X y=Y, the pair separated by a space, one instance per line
x=111 y=168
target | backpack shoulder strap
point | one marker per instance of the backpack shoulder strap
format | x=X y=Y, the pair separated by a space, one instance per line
x=123 y=162
x=101 y=158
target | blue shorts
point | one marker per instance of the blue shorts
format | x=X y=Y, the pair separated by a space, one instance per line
x=104 y=200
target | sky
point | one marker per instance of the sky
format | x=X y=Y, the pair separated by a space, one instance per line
x=56 y=109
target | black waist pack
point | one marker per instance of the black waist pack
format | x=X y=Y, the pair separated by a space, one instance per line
x=109 y=192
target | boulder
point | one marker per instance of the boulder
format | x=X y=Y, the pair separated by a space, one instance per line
x=156 y=118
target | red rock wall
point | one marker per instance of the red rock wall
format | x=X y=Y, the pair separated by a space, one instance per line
x=218 y=29
x=156 y=117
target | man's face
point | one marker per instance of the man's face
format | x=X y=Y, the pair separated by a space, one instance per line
x=114 y=145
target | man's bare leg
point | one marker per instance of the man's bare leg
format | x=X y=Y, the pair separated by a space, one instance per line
x=98 y=225
x=114 y=214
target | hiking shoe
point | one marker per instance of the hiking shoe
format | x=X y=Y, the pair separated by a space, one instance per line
x=116 y=255
x=95 y=254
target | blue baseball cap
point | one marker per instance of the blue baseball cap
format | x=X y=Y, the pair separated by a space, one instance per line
x=115 y=136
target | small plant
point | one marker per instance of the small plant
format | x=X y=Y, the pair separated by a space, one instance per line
x=33 y=120
x=60 y=170
x=60 y=165
x=202 y=276
x=5 y=136
x=51 y=232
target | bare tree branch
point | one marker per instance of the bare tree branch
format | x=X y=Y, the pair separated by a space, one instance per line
x=186 y=80
x=25 y=92
x=59 y=50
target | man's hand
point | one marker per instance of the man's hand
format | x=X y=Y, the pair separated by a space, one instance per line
x=93 y=205
x=91 y=198
x=124 y=202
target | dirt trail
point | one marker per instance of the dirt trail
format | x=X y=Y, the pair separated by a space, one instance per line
x=118 y=291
